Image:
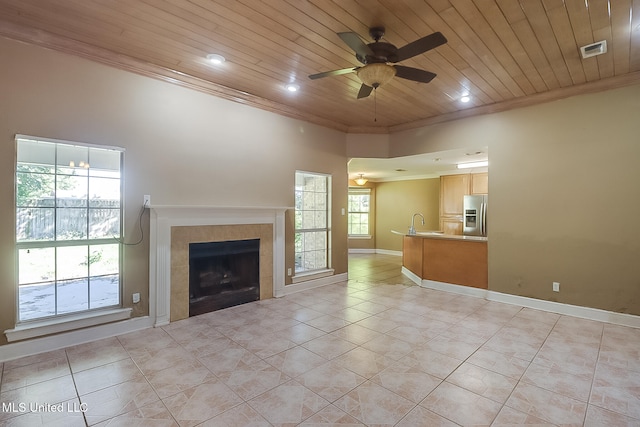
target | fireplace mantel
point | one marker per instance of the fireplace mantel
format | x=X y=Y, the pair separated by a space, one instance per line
x=163 y=218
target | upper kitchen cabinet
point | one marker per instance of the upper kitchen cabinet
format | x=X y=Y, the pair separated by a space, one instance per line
x=453 y=188
x=480 y=183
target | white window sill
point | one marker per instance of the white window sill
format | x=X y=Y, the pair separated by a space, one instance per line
x=27 y=330
x=316 y=274
x=359 y=237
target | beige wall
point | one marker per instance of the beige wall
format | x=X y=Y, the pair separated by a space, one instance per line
x=182 y=147
x=564 y=191
x=397 y=201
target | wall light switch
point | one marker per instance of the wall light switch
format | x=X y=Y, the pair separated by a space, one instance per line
x=556 y=286
x=342 y=211
x=289 y=271
x=136 y=298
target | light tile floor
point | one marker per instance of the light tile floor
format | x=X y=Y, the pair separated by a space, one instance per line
x=374 y=351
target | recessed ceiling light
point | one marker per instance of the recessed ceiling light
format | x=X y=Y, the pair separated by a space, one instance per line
x=465 y=98
x=292 y=87
x=216 y=59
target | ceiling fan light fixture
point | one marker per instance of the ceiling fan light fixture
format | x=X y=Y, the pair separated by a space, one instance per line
x=376 y=74
x=361 y=180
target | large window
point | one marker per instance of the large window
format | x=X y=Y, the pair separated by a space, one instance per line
x=311 y=221
x=358 y=219
x=68 y=226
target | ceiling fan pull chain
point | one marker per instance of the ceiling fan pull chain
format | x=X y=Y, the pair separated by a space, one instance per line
x=375 y=105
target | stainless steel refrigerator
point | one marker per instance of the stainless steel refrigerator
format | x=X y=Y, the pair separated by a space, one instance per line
x=475 y=215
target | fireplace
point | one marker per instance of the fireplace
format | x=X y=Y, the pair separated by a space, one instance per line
x=223 y=274
x=173 y=228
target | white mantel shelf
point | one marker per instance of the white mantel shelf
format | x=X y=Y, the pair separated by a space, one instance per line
x=163 y=217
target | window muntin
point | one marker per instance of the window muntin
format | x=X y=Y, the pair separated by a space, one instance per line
x=68 y=222
x=311 y=221
x=358 y=212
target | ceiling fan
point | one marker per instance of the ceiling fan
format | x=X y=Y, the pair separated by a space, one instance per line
x=376 y=57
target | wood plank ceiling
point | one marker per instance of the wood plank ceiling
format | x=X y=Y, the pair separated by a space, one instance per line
x=501 y=53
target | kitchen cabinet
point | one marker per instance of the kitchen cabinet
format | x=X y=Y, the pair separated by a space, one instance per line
x=451 y=225
x=458 y=260
x=453 y=188
x=452 y=191
x=480 y=183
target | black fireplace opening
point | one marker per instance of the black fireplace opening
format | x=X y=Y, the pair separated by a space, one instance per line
x=223 y=274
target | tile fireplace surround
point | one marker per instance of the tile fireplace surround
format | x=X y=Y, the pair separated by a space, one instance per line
x=174 y=227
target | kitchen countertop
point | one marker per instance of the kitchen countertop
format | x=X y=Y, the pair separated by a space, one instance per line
x=440 y=235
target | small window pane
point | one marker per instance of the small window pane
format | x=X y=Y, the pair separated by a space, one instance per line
x=36 y=265
x=104 y=223
x=35 y=189
x=104 y=163
x=103 y=259
x=72 y=191
x=104 y=291
x=71 y=157
x=71 y=224
x=37 y=301
x=73 y=295
x=104 y=192
x=35 y=224
x=72 y=262
x=36 y=153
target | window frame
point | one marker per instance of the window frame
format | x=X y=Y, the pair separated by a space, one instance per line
x=326 y=268
x=358 y=191
x=110 y=311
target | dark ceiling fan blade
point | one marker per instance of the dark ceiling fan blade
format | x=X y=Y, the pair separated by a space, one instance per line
x=420 y=46
x=355 y=42
x=414 y=74
x=364 y=91
x=333 y=73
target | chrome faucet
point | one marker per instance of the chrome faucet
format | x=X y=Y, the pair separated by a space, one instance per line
x=412 y=229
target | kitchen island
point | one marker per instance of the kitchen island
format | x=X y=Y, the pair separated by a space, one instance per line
x=449 y=259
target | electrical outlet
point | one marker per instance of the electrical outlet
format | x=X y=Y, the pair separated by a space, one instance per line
x=136 y=298
x=556 y=286
x=146 y=200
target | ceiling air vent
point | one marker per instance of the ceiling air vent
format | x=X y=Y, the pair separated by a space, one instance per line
x=594 y=49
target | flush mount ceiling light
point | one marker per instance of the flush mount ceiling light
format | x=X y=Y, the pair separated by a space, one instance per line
x=361 y=180
x=465 y=98
x=292 y=87
x=472 y=165
x=376 y=74
x=216 y=59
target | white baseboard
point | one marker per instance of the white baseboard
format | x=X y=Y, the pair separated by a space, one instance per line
x=375 y=251
x=388 y=252
x=414 y=277
x=362 y=251
x=313 y=283
x=538 y=304
x=54 y=342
